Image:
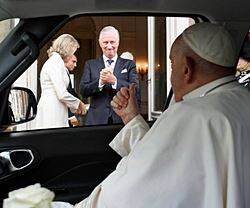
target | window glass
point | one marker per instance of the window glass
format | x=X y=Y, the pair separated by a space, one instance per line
x=6 y=26
x=166 y=31
x=136 y=37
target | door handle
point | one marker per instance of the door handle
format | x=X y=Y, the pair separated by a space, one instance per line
x=17 y=159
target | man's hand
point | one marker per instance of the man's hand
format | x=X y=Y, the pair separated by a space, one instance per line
x=81 y=109
x=107 y=76
x=124 y=103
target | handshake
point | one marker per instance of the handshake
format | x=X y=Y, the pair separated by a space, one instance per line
x=82 y=110
x=107 y=76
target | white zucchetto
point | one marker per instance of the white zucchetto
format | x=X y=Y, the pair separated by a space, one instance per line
x=211 y=42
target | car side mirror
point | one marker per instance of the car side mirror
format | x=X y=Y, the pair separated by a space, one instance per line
x=22 y=105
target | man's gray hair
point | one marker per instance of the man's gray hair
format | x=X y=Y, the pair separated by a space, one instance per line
x=127 y=55
x=109 y=29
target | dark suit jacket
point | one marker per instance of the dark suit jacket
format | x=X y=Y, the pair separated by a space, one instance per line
x=72 y=92
x=100 y=109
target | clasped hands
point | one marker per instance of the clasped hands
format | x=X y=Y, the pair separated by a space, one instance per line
x=107 y=76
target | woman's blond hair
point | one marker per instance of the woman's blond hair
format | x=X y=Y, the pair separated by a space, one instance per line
x=65 y=45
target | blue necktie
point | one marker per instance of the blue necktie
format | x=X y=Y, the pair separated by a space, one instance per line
x=110 y=61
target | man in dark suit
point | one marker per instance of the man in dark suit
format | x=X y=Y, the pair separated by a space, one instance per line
x=103 y=77
x=70 y=63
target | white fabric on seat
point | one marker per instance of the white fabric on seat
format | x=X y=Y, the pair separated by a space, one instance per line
x=57 y=204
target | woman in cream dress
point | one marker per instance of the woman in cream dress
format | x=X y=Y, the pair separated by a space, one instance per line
x=55 y=100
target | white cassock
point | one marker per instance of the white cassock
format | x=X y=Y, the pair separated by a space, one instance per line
x=55 y=100
x=196 y=155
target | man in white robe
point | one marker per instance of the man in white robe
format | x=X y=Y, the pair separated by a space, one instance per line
x=196 y=155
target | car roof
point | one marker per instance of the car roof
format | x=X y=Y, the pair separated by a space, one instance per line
x=212 y=9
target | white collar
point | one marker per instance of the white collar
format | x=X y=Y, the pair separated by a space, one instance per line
x=105 y=58
x=209 y=87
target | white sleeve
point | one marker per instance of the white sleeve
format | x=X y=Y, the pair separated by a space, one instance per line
x=114 y=86
x=94 y=200
x=100 y=86
x=131 y=133
x=55 y=69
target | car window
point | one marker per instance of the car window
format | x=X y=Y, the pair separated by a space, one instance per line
x=6 y=26
x=148 y=39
